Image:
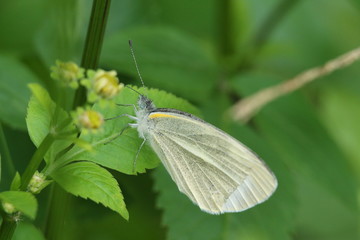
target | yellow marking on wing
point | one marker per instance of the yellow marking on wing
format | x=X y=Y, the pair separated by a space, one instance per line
x=160 y=115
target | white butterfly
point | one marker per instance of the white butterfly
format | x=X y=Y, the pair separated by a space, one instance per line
x=217 y=172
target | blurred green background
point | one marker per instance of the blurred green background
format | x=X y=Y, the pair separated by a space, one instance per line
x=211 y=53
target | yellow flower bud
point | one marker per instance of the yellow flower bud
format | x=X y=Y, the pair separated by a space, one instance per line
x=38 y=182
x=106 y=84
x=67 y=72
x=8 y=207
x=88 y=119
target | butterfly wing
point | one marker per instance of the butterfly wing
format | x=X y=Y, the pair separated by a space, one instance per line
x=213 y=169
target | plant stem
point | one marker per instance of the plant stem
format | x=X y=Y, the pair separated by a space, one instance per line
x=4 y=149
x=35 y=161
x=93 y=43
x=225 y=28
x=7 y=229
x=272 y=21
x=8 y=225
x=264 y=32
x=58 y=213
x=246 y=108
x=60 y=201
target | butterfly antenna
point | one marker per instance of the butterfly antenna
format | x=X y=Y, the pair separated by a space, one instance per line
x=133 y=90
x=136 y=65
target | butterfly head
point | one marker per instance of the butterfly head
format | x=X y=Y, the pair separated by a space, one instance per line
x=145 y=103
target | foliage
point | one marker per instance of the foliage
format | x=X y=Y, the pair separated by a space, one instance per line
x=88 y=180
x=20 y=201
x=211 y=53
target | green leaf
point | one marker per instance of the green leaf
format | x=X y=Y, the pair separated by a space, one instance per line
x=204 y=27
x=313 y=217
x=289 y=51
x=356 y=3
x=323 y=178
x=14 y=94
x=88 y=180
x=16 y=182
x=141 y=206
x=40 y=113
x=293 y=129
x=12 y=30
x=341 y=115
x=119 y=153
x=24 y=202
x=40 y=120
x=269 y=220
x=166 y=58
x=24 y=230
x=60 y=35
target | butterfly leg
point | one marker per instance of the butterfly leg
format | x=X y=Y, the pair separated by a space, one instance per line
x=122 y=130
x=127 y=105
x=117 y=135
x=137 y=155
x=122 y=115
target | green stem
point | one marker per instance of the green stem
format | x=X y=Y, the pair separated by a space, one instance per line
x=63 y=124
x=60 y=200
x=93 y=43
x=35 y=161
x=264 y=32
x=8 y=225
x=66 y=135
x=4 y=149
x=58 y=213
x=7 y=229
x=272 y=21
x=225 y=28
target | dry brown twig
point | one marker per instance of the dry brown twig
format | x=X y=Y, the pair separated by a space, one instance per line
x=246 y=108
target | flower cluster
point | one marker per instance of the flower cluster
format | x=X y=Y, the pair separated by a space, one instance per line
x=8 y=207
x=67 y=73
x=38 y=182
x=88 y=120
x=102 y=86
